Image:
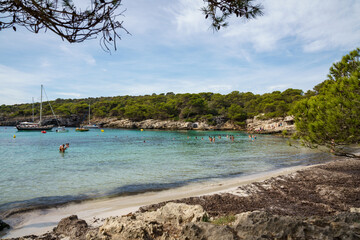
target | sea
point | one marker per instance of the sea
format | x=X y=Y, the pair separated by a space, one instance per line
x=104 y=163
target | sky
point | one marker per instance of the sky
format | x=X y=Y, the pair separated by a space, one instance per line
x=173 y=49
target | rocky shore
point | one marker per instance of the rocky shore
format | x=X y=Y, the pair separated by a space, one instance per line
x=256 y=125
x=321 y=202
x=166 y=124
x=273 y=125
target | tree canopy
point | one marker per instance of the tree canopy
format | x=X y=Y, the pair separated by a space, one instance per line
x=101 y=17
x=331 y=117
x=208 y=107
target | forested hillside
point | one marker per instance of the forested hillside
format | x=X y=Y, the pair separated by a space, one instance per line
x=206 y=106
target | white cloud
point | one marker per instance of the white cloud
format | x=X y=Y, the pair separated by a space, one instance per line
x=278 y=87
x=69 y=94
x=317 y=25
x=188 y=17
x=17 y=86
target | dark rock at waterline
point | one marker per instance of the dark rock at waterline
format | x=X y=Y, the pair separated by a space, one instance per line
x=3 y=225
x=72 y=227
x=68 y=228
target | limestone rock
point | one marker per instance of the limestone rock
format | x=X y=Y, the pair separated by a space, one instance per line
x=202 y=230
x=273 y=125
x=151 y=225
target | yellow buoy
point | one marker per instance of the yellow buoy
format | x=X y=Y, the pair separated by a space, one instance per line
x=102 y=130
x=14 y=136
x=142 y=129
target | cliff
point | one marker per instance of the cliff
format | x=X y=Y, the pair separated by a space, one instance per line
x=273 y=125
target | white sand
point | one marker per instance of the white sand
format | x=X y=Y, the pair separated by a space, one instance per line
x=40 y=221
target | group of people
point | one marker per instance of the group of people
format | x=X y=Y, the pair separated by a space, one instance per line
x=252 y=137
x=63 y=147
x=231 y=137
x=212 y=139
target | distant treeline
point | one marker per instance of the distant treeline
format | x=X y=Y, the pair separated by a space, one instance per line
x=207 y=106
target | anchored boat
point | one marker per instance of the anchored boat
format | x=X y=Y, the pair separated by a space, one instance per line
x=31 y=126
x=90 y=125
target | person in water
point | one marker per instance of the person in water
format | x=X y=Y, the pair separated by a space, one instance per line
x=63 y=147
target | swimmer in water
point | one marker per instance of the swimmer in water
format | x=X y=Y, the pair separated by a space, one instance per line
x=62 y=148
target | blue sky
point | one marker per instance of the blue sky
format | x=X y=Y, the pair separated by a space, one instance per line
x=172 y=49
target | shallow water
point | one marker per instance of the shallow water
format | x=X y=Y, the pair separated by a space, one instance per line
x=115 y=162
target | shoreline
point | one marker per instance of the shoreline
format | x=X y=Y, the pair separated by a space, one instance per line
x=42 y=220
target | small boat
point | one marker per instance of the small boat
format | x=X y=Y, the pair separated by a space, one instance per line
x=81 y=129
x=91 y=126
x=61 y=130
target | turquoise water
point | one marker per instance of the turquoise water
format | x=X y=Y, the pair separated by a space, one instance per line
x=115 y=162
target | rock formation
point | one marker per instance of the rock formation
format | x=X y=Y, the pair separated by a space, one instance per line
x=273 y=125
x=185 y=222
x=166 y=124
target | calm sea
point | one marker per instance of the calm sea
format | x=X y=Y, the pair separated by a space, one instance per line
x=117 y=162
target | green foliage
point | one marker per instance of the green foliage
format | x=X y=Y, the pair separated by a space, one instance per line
x=208 y=107
x=331 y=117
x=284 y=133
x=205 y=218
x=236 y=113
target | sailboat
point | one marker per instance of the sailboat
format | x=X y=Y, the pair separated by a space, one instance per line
x=32 y=126
x=90 y=125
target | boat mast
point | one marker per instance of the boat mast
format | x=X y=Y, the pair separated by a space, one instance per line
x=41 y=104
x=89 y=113
x=33 y=119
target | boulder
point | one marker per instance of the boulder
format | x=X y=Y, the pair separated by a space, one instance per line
x=4 y=225
x=160 y=224
x=72 y=227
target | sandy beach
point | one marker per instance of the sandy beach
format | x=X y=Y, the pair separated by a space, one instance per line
x=38 y=222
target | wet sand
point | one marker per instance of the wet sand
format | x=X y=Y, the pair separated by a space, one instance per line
x=94 y=211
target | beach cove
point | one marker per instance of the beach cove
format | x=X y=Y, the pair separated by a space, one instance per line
x=317 y=202
x=39 y=221
x=185 y=163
